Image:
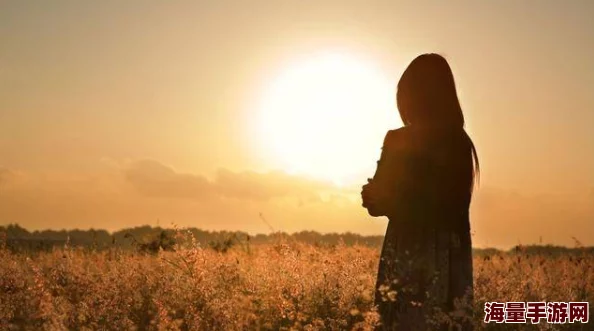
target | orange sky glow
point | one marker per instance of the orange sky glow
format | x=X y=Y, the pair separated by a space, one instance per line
x=122 y=113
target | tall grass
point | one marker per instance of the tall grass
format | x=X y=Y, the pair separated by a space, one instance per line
x=282 y=286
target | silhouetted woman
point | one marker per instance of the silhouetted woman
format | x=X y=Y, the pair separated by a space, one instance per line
x=423 y=184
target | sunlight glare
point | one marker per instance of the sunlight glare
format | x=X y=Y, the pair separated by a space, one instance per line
x=325 y=117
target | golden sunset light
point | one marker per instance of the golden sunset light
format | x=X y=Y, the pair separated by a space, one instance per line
x=206 y=114
x=324 y=115
x=263 y=165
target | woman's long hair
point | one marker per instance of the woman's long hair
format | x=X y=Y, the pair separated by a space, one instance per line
x=427 y=97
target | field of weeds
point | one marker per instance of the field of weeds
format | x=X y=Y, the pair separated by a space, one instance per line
x=283 y=286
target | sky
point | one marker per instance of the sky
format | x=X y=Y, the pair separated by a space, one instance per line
x=206 y=113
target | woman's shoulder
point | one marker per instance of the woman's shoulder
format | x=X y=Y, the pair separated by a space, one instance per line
x=397 y=138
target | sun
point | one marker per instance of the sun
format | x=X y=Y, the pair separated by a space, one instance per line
x=325 y=117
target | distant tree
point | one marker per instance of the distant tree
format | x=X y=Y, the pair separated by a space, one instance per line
x=163 y=242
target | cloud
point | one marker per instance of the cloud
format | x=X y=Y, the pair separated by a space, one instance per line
x=135 y=193
x=153 y=179
x=265 y=186
x=143 y=191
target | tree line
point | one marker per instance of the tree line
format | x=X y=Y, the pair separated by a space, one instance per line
x=152 y=239
x=19 y=238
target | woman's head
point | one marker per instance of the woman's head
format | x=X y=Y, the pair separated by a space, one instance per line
x=427 y=98
x=427 y=94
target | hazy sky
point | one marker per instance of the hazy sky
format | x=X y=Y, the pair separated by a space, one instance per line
x=119 y=113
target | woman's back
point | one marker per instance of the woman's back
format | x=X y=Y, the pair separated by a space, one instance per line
x=430 y=175
x=423 y=184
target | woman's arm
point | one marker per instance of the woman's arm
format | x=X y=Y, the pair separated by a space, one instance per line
x=380 y=194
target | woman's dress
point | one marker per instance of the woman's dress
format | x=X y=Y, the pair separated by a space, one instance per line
x=426 y=261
